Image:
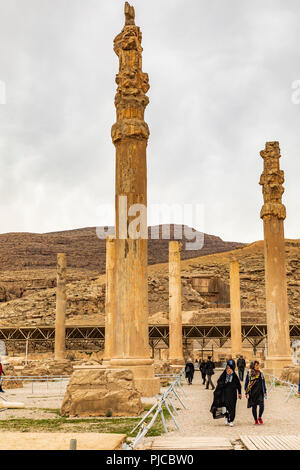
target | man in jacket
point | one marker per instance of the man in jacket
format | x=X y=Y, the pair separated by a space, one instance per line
x=209 y=371
x=202 y=368
x=241 y=364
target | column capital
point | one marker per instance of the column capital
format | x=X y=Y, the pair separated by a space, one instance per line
x=133 y=83
x=272 y=180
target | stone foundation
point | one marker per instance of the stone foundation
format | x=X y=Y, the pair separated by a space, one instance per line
x=276 y=365
x=97 y=392
x=145 y=381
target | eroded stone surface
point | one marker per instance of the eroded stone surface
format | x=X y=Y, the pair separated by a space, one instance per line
x=94 y=392
x=47 y=367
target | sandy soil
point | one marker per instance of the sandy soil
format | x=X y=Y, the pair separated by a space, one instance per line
x=279 y=417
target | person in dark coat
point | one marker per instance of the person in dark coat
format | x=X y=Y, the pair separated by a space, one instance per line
x=256 y=391
x=209 y=371
x=226 y=393
x=189 y=371
x=202 y=370
x=231 y=362
x=241 y=364
x=1 y=373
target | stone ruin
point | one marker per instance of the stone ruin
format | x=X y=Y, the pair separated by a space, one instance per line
x=102 y=392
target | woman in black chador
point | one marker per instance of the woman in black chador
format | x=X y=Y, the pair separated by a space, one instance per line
x=225 y=396
x=256 y=391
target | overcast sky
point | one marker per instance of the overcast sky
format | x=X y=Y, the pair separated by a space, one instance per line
x=221 y=75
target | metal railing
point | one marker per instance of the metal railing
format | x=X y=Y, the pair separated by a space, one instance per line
x=292 y=388
x=163 y=402
x=35 y=379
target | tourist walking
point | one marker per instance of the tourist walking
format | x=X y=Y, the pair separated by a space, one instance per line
x=225 y=396
x=241 y=364
x=202 y=370
x=189 y=371
x=209 y=371
x=256 y=391
x=1 y=373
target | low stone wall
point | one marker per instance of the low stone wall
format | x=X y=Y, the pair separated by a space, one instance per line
x=8 y=384
x=46 y=367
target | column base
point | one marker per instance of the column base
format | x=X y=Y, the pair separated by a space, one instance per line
x=63 y=360
x=177 y=361
x=105 y=362
x=143 y=371
x=176 y=365
x=175 y=369
x=275 y=364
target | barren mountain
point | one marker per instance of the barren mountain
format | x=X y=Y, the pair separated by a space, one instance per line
x=28 y=261
x=86 y=296
x=19 y=251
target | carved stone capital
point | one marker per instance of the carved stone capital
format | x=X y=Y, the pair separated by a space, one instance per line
x=133 y=83
x=274 y=210
x=271 y=181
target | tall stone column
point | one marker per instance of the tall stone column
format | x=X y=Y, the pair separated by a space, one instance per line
x=175 y=310
x=273 y=214
x=235 y=309
x=130 y=136
x=61 y=305
x=110 y=303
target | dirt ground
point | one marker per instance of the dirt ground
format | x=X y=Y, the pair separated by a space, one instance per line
x=44 y=397
x=196 y=420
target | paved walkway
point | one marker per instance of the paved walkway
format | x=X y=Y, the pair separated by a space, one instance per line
x=279 y=417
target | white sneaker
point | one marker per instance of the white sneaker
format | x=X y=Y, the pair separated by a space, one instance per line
x=231 y=424
x=226 y=422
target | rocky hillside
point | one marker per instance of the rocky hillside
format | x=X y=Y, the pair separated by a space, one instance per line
x=85 y=251
x=86 y=297
x=28 y=261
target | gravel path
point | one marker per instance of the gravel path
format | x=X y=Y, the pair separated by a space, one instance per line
x=279 y=417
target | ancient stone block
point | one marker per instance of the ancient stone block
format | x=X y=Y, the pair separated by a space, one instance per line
x=96 y=392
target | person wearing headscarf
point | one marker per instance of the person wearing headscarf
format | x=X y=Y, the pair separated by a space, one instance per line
x=225 y=396
x=189 y=371
x=231 y=362
x=256 y=391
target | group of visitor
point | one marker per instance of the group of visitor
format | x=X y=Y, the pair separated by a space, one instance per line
x=229 y=387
